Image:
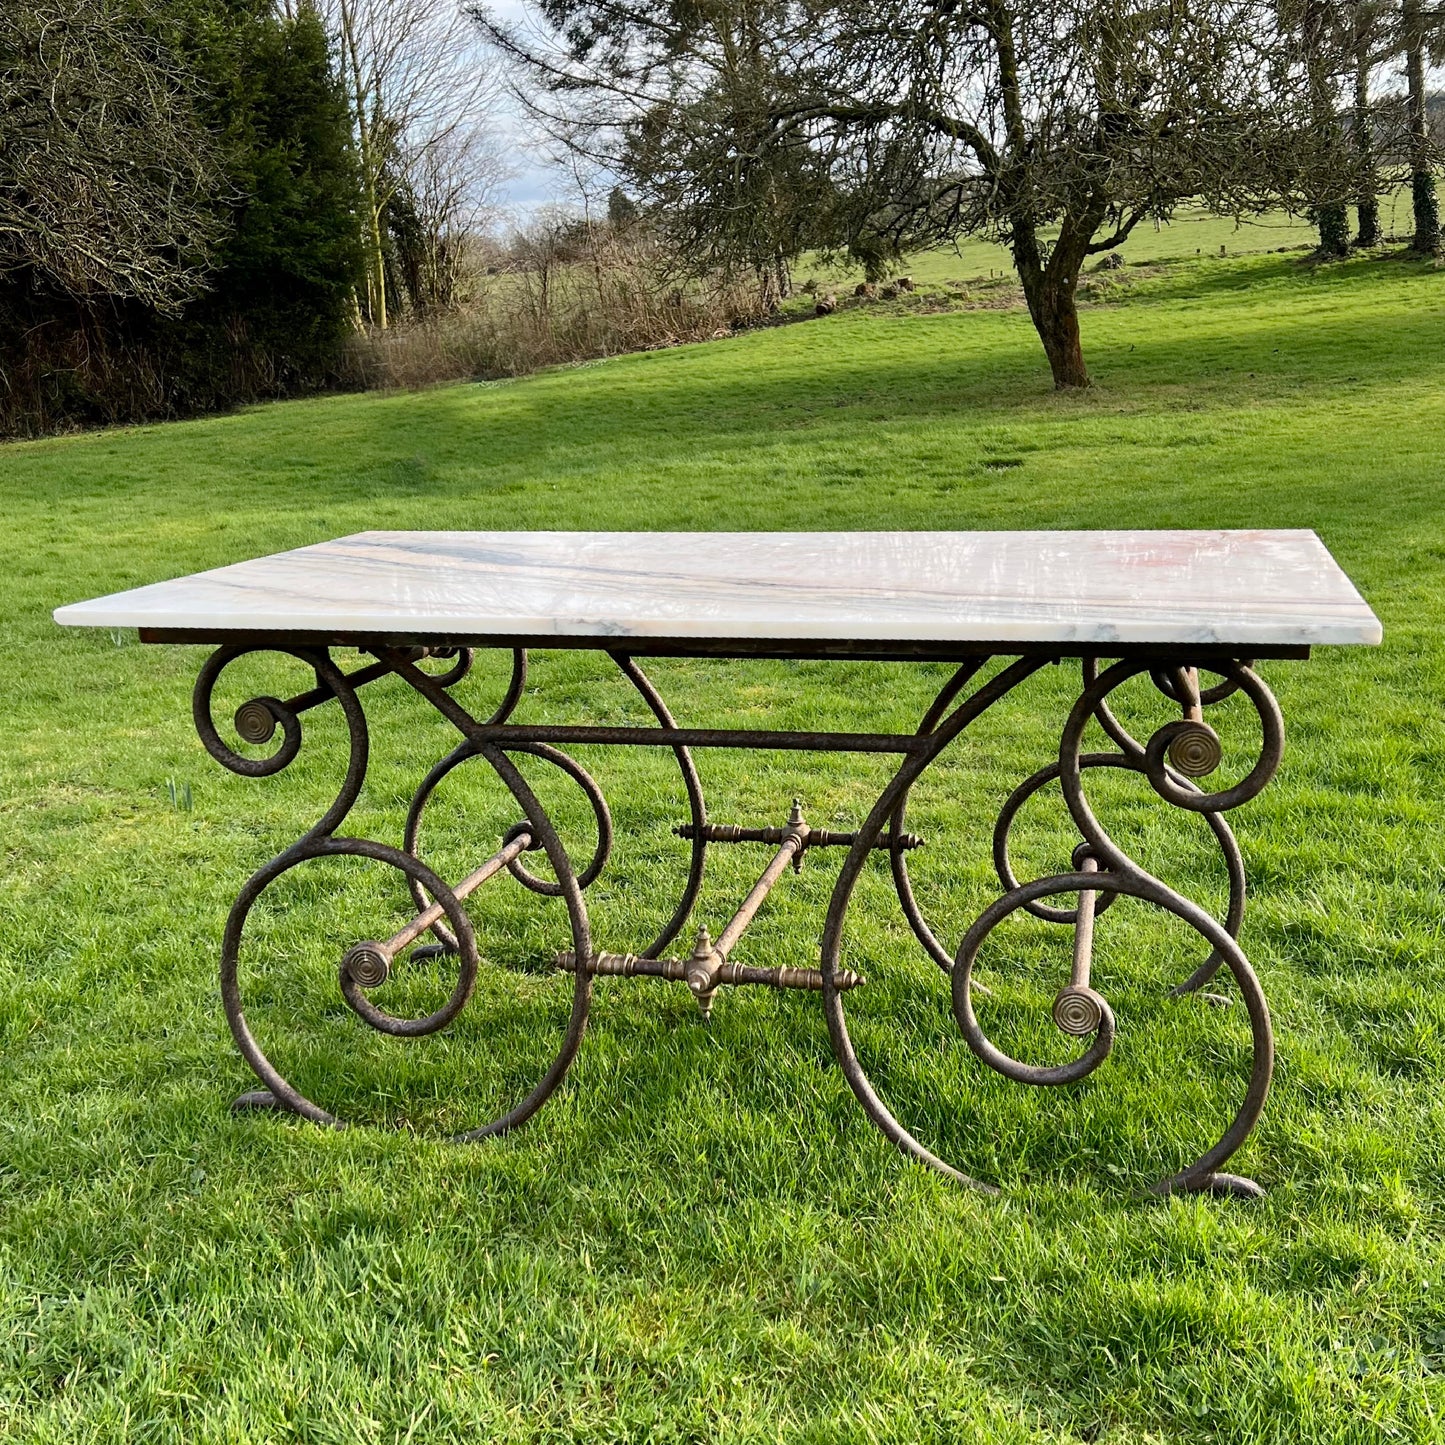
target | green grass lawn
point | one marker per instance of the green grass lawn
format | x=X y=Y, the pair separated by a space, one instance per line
x=701 y=1237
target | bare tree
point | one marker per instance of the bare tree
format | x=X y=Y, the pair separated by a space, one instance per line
x=1415 y=33
x=107 y=177
x=450 y=194
x=1326 y=34
x=1366 y=28
x=1053 y=126
x=420 y=95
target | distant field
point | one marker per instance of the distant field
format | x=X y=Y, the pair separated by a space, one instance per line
x=1191 y=233
x=701 y=1238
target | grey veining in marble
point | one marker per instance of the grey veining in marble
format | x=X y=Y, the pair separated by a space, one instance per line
x=1236 y=588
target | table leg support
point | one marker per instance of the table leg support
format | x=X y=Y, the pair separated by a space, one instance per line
x=366 y=965
x=1174 y=757
x=708 y=968
x=1172 y=760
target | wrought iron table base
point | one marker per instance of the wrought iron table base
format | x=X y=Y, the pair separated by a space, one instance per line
x=1171 y=760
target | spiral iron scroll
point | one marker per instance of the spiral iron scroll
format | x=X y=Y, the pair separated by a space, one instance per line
x=1173 y=756
x=364 y=966
x=1130 y=757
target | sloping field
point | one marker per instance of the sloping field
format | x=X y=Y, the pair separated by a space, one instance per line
x=1192 y=232
x=701 y=1238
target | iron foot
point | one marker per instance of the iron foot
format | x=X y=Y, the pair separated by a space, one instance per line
x=257 y=1099
x=1232 y=1186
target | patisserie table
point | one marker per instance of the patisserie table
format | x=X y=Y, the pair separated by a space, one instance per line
x=1171 y=605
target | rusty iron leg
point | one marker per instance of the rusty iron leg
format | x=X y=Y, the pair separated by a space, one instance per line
x=366 y=965
x=1172 y=760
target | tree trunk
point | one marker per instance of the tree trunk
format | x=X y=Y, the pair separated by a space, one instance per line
x=1367 y=183
x=1056 y=319
x=1330 y=215
x=374 y=256
x=1333 y=222
x=376 y=279
x=1049 y=291
x=1422 y=178
x=1369 y=231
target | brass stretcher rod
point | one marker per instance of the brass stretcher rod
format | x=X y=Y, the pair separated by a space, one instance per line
x=1084 y=930
x=817 y=837
x=795 y=837
x=708 y=967
x=1078 y=1010
x=519 y=842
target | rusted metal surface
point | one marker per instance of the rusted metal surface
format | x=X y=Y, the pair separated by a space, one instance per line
x=754 y=739
x=862 y=650
x=817 y=837
x=1174 y=759
x=633 y=965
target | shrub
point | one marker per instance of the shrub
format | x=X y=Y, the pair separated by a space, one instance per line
x=569 y=292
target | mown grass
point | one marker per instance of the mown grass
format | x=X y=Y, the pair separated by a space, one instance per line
x=701 y=1238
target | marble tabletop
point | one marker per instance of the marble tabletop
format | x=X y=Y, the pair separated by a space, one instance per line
x=1233 y=589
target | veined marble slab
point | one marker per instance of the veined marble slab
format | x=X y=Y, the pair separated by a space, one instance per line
x=1235 y=589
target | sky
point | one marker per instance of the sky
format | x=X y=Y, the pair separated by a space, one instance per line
x=535 y=182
